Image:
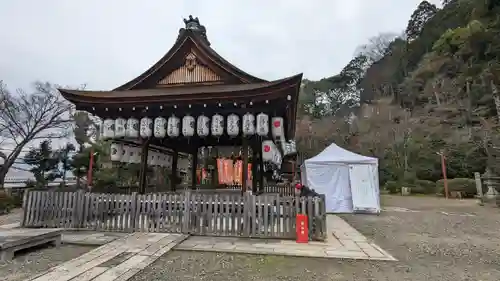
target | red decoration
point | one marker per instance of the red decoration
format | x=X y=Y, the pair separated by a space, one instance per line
x=277 y=124
x=302 y=229
x=267 y=148
x=298 y=186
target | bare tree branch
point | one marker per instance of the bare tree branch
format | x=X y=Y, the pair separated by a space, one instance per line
x=24 y=117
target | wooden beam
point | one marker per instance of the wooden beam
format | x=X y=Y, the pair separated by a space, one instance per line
x=261 y=168
x=245 y=164
x=174 y=177
x=193 y=167
x=255 y=156
x=144 y=167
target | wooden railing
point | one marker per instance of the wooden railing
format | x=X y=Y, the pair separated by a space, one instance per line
x=200 y=213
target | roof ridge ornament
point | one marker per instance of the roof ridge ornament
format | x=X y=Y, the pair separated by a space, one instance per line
x=194 y=25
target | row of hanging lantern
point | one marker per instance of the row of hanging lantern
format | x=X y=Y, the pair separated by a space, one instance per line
x=202 y=126
x=133 y=154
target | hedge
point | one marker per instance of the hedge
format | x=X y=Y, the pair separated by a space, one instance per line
x=417 y=187
x=8 y=203
x=423 y=187
x=465 y=185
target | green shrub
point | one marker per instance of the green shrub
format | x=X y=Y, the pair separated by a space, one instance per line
x=392 y=186
x=423 y=187
x=409 y=178
x=467 y=186
x=7 y=202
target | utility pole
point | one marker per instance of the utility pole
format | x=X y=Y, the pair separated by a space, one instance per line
x=443 y=168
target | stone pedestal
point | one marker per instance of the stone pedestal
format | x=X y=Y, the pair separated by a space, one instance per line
x=405 y=191
x=491 y=193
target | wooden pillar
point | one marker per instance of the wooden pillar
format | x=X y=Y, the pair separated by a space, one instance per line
x=261 y=168
x=193 y=167
x=255 y=163
x=244 y=155
x=206 y=156
x=174 y=178
x=215 y=174
x=144 y=168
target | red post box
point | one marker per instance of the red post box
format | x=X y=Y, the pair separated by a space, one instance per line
x=302 y=228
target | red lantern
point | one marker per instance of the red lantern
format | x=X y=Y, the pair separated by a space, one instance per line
x=267 y=148
x=277 y=124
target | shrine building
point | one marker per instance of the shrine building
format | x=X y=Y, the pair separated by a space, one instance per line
x=192 y=98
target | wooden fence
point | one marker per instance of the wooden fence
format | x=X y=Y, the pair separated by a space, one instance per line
x=198 y=213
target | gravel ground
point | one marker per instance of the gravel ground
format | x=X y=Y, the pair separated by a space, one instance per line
x=12 y=217
x=38 y=260
x=430 y=245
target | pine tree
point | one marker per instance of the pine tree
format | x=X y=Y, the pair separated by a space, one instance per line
x=424 y=12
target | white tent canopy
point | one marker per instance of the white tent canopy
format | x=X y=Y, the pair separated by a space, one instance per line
x=348 y=180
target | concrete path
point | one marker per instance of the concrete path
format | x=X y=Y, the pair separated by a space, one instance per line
x=115 y=261
x=343 y=242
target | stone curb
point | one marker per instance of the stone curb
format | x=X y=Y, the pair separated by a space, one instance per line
x=257 y=251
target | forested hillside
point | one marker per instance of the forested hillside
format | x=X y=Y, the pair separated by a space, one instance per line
x=404 y=98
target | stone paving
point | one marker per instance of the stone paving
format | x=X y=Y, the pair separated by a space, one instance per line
x=90 y=237
x=343 y=242
x=115 y=261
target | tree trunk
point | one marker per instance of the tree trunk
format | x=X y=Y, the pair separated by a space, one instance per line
x=2 y=178
x=436 y=95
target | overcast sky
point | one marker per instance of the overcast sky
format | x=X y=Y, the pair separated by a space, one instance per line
x=106 y=43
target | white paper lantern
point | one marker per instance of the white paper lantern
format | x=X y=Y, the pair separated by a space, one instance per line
x=150 y=158
x=233 y=125
x=156 y=159
x=108 y=128
x=217 y=125
x=183 y=164
x=135 y=157
x=116 y=152
x=160 y=128
x=262 y=124
x=289 y=147
x=137 y=151
x=120 y=127
x=188 y=124
x=203 y=126
x=277 y=127
x=267 y=150
x=248 y=124
x=146 y=127
x=168 y=161
x=277 y=158
x=173 y=126
x=159 y=159
x=132 y=128
x=125 y=154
